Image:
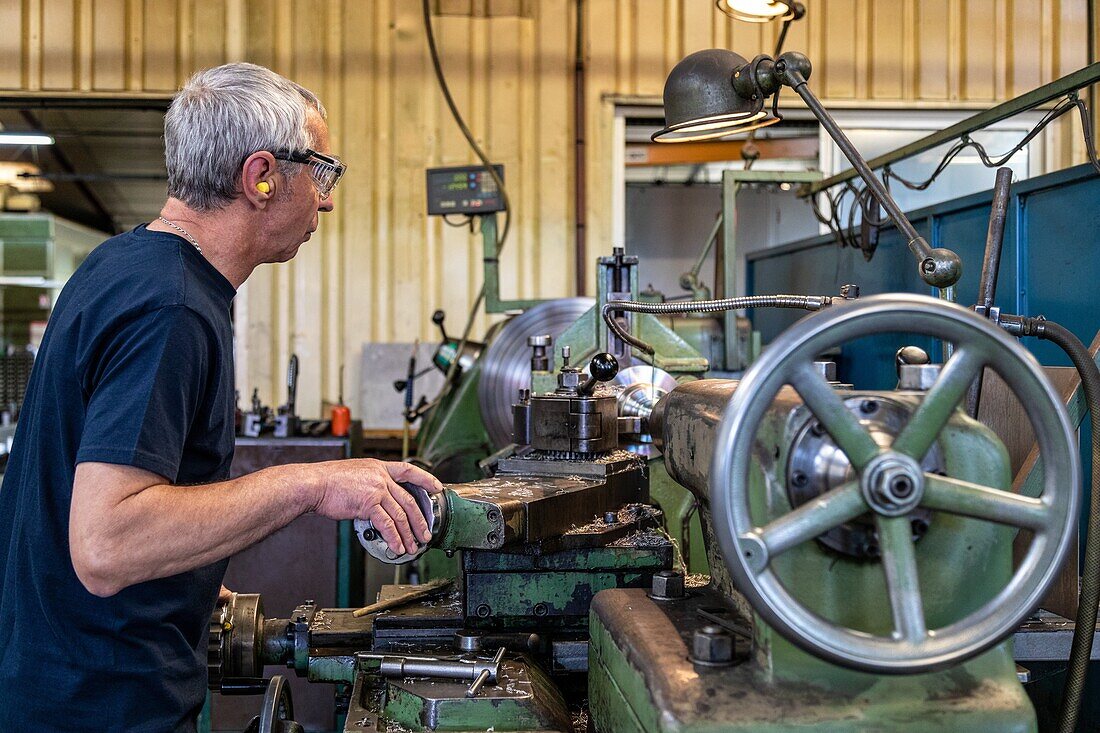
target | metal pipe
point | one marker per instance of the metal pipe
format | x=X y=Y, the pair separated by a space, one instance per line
x=1048 y=92
x=1085 y=622
x=991 y=263
x=706 y=247
x=1002 y=190
x=803 y=302
x=579 y=168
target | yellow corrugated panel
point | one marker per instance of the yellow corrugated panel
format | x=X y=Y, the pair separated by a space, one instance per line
x=378 y=266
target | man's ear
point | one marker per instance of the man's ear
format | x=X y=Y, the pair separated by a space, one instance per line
x=258 y=178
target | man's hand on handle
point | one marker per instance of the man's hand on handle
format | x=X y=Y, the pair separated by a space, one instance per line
x=368 y=489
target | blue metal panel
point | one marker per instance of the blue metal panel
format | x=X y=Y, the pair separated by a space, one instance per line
x=1050 y=265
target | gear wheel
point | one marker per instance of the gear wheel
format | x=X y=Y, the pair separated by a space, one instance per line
x=235 y=641
x=216 y=653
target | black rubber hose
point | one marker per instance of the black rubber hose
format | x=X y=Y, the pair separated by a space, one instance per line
x=433 y=52
x=1081 y=649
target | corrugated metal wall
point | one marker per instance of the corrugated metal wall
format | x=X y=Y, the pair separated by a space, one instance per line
x=380 y=266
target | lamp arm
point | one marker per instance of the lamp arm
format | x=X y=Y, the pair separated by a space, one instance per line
x=939 y=267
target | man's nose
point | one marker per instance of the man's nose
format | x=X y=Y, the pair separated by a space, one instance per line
x=325 y=204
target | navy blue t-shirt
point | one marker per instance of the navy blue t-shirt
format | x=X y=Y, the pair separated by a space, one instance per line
x=135 y=368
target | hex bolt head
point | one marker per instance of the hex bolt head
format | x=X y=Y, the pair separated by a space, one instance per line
x=667 y=585
x=712 y=646
x=919 y=527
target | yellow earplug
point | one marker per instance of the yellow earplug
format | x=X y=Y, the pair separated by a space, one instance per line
x=263 y=187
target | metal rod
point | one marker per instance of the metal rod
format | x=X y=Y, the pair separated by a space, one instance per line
x=707 y=246
x=940 y=267
x=1002 y=190
x=580 y=195
x=991 y=264
x=1048 y=92
x=916 y=242
x=477 y=684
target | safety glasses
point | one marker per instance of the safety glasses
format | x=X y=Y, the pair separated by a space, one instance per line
x=324 y=170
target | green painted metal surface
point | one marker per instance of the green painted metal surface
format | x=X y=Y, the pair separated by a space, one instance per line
x=202 y=725
x=976 y=697
x=681 y=515
x=493 y=302
x=962 y=563
x=468 y=522
x=332 y=669
x=591 y=559
x=525 y=700
x=560 y=593
x=452 y=438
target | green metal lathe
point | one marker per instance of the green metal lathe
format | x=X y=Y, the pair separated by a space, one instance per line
x=860 y=546
x=473 y=420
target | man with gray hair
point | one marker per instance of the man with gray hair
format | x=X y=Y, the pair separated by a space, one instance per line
x=116 y=515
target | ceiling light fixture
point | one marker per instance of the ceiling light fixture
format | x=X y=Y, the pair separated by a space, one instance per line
x=25 y=138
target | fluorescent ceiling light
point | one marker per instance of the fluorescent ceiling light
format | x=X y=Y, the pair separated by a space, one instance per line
x=25 y=138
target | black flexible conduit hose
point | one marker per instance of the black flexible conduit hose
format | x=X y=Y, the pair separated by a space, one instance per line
x=803 y=302
x=1081 y=649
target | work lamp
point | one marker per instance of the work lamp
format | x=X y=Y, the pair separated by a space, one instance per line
x=716 y=93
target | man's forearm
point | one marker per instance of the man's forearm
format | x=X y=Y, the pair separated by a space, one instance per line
x=160 y=530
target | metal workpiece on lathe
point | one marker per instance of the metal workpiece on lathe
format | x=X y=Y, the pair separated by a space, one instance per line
x=470 y=669
x=506 y=363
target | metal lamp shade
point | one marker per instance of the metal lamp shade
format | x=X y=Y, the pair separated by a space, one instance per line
x=701 y=103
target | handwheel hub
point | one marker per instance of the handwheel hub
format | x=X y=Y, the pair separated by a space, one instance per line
x=892 y=484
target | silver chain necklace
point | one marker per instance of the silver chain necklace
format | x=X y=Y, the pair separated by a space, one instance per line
x=182 y=231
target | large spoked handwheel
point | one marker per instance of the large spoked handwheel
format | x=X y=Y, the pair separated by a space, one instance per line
x=277 y=713
x=890 y=484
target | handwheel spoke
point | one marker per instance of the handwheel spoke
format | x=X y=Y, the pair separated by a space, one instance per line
x=936 y=408
x=812 y=519
x=899 y=562
x=834 y=416
x=983 y=502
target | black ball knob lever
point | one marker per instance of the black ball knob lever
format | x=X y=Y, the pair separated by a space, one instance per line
x=437 y=319
x=603 y=368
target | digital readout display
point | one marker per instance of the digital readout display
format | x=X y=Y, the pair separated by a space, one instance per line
x=463 y=190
